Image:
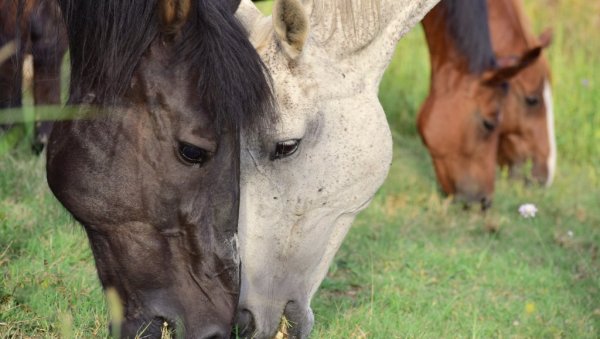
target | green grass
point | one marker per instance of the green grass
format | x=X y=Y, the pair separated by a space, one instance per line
x=414 y=264
x=48 y=277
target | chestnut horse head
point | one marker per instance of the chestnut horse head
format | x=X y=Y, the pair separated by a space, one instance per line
x=151 y=169
x=527 y=127
x=459 y=121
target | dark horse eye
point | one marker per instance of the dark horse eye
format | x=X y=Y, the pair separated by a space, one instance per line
x=192 y=154
x=285 y=149
x=532 y=101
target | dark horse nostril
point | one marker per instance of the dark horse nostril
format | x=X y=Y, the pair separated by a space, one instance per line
x=244 y=323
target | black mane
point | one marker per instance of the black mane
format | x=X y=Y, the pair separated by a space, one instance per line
x=468 y=26
x=107 y=39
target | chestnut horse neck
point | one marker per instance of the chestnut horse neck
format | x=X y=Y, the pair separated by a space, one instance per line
x=511 y=30
x=458 y=37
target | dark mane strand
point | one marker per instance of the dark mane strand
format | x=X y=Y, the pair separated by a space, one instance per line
x=109 y=37
x=468 y=26
x=233 y=78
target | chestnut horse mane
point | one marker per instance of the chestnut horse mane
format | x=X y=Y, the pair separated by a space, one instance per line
x=108 y=38
x=467 y=23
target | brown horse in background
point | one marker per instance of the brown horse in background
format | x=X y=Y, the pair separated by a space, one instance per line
x=527 y=127
x=39 y=31
x=460 y=118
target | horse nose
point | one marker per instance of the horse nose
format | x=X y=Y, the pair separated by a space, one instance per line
x=540 y=174
x=486 y=203
x=245 y=323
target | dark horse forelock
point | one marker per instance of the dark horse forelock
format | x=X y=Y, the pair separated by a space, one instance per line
x=474 y=44
x=108 y=39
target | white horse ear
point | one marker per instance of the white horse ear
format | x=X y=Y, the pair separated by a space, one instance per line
x=256 y=24
x=291 y=24
x=248 y=15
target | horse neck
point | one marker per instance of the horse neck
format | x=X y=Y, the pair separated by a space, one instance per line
x=443 y=52
x=510 y=27
x=364 y=33
x=344 y=26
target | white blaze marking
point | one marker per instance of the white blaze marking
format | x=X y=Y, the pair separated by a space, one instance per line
x=551 y=138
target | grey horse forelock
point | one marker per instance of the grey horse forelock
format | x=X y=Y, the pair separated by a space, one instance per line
x=358 y=20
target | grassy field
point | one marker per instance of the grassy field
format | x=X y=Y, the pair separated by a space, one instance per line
x=414 y=264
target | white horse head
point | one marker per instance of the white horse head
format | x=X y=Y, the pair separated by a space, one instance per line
x=304 y=180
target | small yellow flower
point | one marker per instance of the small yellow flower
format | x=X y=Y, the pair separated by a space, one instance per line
x=530 y=307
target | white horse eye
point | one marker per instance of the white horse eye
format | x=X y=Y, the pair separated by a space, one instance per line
x=284 y=149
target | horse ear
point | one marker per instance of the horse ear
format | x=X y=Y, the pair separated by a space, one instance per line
x=546 y=37
x=174 y=14
x=508 y=67
x=258 y=26
x=290 y=21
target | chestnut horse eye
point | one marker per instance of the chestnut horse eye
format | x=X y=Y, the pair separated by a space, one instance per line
x=532 y=101
x=193 y=154
x=284 y=149
x=489 y=126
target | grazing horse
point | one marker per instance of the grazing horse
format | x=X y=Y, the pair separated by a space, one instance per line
x=39 y=30
x=304 y=180
x=459 y=120
x=150 y=168
x=527 y=126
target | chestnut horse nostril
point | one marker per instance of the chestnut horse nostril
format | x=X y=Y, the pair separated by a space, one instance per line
x=486 y=203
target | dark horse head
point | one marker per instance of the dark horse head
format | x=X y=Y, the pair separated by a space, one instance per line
x=150 y=168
